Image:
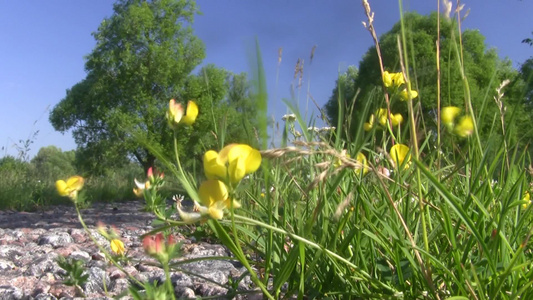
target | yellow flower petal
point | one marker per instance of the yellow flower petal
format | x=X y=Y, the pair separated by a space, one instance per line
x=368 y=126
x=214 y=167
x=216 y=213
x=405 y=96
x=527 y=198
x=192 y=113
x=212 y=191
x=75 y=182
x=62 y=188
x=448 y=114
x=387 y=79
x=397 y=79
x=117 y=246
x=242 y=160
x=235 y=160
x=396 y=119
x=175 y=111
x=464 y=127
x=361 y=158
x=70 y=187
x=382 y=116
x=399 y=154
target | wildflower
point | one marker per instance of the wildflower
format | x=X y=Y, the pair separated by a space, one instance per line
x=448 y=115
x=405 y=95
x=151 y=180
x=363 y=164
x=384 y=171
x=382 y=116
x=396 y=119
x=399 y=154
x=393 y=79
x=232 y=163
x=464 y=127
x=160 y=247
x=140 y=187
x=526 y=198
x=289 y=117
x=360 y=159
x=327 y=129
x=214 y=198
x=175 y=114
x=117 y=246
x=71 y=187
x=313 y=128
x=383 y=119
x=370 y=124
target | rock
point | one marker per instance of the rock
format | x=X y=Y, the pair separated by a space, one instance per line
x=80 y=255
x=11 y=293
x=56 y=239
x=43 y=264
x=6 y=265
x=31 y=242
x=98 y=281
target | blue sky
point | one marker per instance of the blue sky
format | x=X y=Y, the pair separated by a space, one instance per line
x=43 y=44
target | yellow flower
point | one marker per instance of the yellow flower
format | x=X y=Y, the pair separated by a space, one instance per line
x=214 y=198
x=71 y=187
x=527 y=198
x=405 y=96
x=464 y=127
x=361 y=158
x=387 y=79
x=140 y=187
x=393 y=79
x=117 y=246
x=232 y=163
x=448 y=115
x=368 y=126
x=175 y=113
x=191 y=114
x=383 y=119
x=399 y=154
x=397 y=79
x=396 y=119
x=382 y=116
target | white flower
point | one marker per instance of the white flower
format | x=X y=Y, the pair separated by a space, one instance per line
x=289 y=117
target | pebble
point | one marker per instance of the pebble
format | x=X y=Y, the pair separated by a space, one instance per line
x=30 y=243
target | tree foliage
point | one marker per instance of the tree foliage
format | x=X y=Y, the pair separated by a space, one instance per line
x=50 y=162
x=483 y=70
x=144 y=55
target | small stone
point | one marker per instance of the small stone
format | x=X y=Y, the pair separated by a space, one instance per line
x=57 y=239
x=95 y=282
x=10 y=293
x=80 y=255
x=6 y=265
x=186 y=293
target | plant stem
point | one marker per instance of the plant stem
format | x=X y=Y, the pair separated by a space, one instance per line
x=107 y=255
x=316 y=246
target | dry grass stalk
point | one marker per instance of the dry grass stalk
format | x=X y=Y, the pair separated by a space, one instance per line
x=370 y=26
x=312 y=54
x=502 y=108
x=342 y=206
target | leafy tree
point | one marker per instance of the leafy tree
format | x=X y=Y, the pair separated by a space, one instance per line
x=52 y=163
x=144 y=56
x=483 y=68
